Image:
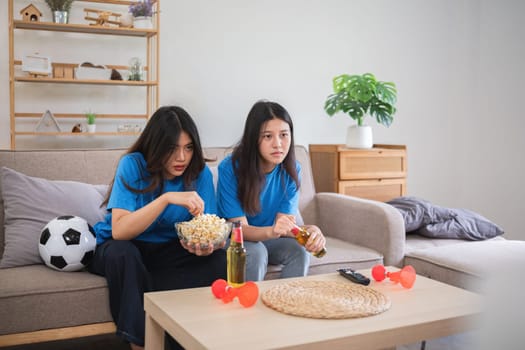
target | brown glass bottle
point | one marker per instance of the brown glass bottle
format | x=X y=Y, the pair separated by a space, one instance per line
x=236 y=257
x=302 y=236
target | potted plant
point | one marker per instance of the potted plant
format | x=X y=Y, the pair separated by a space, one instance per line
x=359 y=96
x=91 y=118
x=142 y=12
x=60 y=9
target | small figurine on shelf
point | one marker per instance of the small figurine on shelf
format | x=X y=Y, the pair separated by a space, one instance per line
x=30 y=13
x=77 y=128
x=101 y=17
x=91 y=117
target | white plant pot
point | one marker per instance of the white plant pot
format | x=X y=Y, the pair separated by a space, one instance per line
x=126 y=20
x=91 y=127
x=359 y=137
x=142 y=22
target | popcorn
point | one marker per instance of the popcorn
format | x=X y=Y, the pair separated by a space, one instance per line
x=204 y=229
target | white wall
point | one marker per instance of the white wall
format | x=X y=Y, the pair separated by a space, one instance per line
x=457 y=65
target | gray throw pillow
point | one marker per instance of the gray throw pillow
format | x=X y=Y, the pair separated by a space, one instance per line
x=433 y=221
x=418 y=212
x=465 y=224
x=31 y=202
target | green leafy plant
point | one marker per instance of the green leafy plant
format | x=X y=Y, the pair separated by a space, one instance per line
x=359 y=95
x=91 y=117
x=59 y=5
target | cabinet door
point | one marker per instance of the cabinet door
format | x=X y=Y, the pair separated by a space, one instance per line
x=381 y=190
x=372 y=164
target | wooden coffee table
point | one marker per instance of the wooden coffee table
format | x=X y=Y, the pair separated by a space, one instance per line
x=198 y=320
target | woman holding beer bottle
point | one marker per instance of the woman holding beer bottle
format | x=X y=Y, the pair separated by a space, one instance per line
x=258 y=185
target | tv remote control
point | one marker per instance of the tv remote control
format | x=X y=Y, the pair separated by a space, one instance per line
x=355 y=277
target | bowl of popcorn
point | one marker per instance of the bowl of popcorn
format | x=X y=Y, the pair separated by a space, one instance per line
x=204 y=229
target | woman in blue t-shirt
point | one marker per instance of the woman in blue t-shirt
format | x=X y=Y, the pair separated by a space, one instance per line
x=162 y=179
x=259 y=185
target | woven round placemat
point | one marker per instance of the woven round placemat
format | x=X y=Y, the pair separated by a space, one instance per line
x=325 y=299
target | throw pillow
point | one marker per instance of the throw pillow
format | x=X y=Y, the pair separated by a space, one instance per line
x=31 y=202
x=418 y=212
x=465 y=224
x=433 y=221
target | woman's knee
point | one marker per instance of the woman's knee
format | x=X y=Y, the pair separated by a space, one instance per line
x=118 y=253
x=256 y=252
x=256 y=261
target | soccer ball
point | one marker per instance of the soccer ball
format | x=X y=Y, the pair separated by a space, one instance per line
x=67 y=243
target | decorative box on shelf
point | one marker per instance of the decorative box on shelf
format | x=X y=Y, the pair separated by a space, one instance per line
x=89 y=71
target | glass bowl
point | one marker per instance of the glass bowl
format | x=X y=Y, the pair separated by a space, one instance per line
x=204 y=229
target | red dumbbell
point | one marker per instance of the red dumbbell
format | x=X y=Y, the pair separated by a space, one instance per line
x=247 y=293
x=406 y=276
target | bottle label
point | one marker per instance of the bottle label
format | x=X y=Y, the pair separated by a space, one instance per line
x=237 y=235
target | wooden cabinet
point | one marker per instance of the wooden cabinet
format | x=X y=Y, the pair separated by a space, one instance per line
x=89 y=31
x=378 y=173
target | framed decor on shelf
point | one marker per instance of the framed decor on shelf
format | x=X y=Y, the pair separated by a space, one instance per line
x=36 y=64
x=47 y=123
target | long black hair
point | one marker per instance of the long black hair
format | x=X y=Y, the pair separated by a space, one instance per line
x=156 y=143
x=247 y=160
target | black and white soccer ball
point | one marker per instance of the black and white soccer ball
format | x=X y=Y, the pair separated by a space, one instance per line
x=67 y=243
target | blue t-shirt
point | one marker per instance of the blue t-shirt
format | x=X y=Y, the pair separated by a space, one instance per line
x=279 y=195
x=132 y=169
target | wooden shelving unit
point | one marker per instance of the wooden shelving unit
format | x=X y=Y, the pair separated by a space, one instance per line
x=151 y=82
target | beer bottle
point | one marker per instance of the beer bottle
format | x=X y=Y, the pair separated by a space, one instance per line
x=236 y=257
x=302 y=236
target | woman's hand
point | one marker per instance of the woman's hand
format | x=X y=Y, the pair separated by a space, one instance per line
x=190 y=200
x=283 y=225
x=317 y=240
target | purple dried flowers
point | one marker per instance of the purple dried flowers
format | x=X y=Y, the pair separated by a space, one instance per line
x=142 y=8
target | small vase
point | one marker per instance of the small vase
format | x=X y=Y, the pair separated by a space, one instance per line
x=359 y=137
x=61 y=17
x=91 y=127
x=142 y=22
x=126 y=20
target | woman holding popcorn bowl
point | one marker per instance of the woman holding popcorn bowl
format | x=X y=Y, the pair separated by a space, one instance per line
x=160 y=181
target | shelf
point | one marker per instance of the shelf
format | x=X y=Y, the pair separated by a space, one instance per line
x=67 y=133
x=83 y=28
x=83 y=116
x=22 y=115
x=84 y=81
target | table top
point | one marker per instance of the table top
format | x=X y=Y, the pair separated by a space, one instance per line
x=428 y=310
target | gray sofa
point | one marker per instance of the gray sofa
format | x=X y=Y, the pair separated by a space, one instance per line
x=39 y=304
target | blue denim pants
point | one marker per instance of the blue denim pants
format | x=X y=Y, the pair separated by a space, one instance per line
x=283 y=251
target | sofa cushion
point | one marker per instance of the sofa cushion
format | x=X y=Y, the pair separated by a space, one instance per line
x=465 y=264
x=417 y=242
x=45 y=298
x=340 y=254
x=31 y=202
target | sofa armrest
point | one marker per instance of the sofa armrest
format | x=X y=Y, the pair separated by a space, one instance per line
x=368 y=223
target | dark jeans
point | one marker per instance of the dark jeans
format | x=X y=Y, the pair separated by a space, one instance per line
x=133 y=267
